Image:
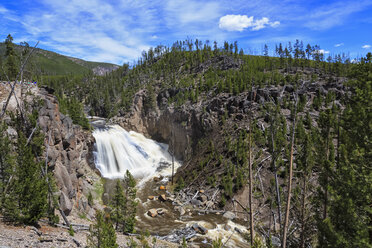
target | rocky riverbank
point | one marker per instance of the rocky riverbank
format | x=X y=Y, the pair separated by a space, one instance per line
x=46 y=236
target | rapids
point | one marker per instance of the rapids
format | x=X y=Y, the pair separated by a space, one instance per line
x=117 y=150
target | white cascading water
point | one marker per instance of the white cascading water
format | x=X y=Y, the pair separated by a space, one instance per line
x=118 y=150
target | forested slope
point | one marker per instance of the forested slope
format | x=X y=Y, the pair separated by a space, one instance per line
x=291 y=132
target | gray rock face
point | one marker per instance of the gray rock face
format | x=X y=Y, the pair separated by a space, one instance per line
x=65 y=204
x=67 y=146
x=68 y=151
x=188 y=123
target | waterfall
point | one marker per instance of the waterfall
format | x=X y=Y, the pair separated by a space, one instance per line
x=118 y=150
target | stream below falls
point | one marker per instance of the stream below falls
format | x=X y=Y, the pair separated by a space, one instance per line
x=117 y=150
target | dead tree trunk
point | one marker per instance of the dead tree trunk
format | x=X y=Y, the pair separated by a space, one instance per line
x=303 y=211
x=251 y=183
x=276 y=178
x=326 y=179
x=284 y=242
x=15 y=82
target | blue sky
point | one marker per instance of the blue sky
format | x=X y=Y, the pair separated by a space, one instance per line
x=118 y=31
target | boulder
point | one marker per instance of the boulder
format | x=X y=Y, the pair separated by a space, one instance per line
x=162 y=198
x=229 y=215
x=65 y=204
x=152 y=212
x=151 y=197
x=70 y=142
x=80 y=172
x=199 y=229
x=157 y=179
x=67 y=121
x=195 y=202
x=161 y=211
x=180 y=209
x=72 y=155
x=63 y=177
x=91 y=212
x=49 y=104
x=52 y=155
x=227 y=227
x=203 y=198
x=209 y=204
x=43 y=122
x=12 y=132
x=57 y=135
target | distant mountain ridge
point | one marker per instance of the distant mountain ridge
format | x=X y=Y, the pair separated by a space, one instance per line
x=51 y=63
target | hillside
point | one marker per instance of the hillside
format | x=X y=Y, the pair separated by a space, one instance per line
x=45 y=62
x=282 y=142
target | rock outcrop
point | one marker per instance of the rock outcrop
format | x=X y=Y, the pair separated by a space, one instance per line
x=182 y=127
x=68 y=151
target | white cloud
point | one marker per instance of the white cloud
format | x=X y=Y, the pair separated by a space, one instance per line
x=321 y=51
x=339 y=44
x=260 y=24
x=235 y=22
x=92 y=29
x=241 y=22
x=275 y=24
x=121 y=30
x=366 y=46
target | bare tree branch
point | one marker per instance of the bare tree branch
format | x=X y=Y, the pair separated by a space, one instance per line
x=16 y=80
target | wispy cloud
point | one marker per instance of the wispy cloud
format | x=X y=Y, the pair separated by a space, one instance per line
x=118 y=31
x=3 y=10
x=366 y=46
x=242 y=22
x=334 y=14
x=92 y=30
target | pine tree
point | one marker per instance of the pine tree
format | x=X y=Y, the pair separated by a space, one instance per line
x=277 y=140
x=29 y=186
x=26 y=198
x=303 y=208
x=6 y=161
x=11 y=66
x=118 y=203
x=102 y=233
x=130 y=209
x=288 y=206
x=326 y=162
x=348 y=223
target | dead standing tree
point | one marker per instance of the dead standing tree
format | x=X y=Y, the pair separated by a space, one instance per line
x=251 y=218
x=285 y=226
x=288 y=205
x=12 y=91
x=16 y=81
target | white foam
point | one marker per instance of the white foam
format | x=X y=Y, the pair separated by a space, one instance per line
x=118 y=150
